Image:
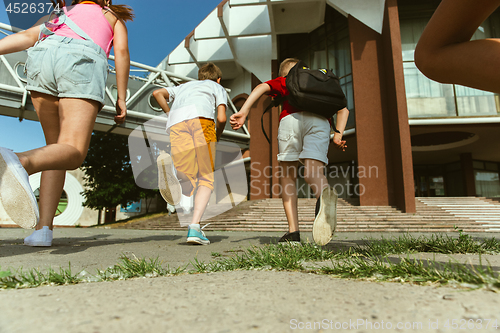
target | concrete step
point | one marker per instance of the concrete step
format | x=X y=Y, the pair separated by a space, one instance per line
x=432 y=215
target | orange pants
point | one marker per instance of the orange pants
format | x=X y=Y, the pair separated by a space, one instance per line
x=193 y=150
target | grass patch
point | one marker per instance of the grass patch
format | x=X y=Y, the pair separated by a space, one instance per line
x=127 y=268
x=35 y=278
x=366 y=261
x=355 y=263
x=132 y=268
x=274 y=256
x=446 y=244
x=370 y=261
x=415 y=271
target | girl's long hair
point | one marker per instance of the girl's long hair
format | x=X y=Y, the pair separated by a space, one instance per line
x=123 y=12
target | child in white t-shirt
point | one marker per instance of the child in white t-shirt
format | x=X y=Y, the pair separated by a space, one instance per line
x=193 y=134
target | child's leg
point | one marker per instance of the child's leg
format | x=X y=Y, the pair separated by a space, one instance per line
x=445 y=53
x=289 y=193
x=67 y=125
x=326 y=204
x=184 y=156
x=200 y=203
x=204 y=139
x=51 y=188
x=52 y=181
x=314 y=175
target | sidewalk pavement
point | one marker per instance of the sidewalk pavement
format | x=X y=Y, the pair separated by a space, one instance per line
x=240 y=301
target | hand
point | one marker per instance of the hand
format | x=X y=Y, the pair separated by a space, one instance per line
x=121 y=111
x=338 y=142
x=237 y=120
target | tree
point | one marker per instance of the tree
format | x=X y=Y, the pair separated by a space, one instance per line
x=109 y=179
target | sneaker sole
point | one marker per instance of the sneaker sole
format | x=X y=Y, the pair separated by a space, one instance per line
x=326 y=221
x=170 y=188
x=14 y=197
x=38 y=244
x=291 y=243
x=197 y=241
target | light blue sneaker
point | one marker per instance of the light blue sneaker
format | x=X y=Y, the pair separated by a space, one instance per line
x=196 y=235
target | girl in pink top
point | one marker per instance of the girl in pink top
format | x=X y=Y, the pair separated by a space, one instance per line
x=91 y=20
x=66 y=74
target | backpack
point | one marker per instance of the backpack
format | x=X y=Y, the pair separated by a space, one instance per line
x=314 y=90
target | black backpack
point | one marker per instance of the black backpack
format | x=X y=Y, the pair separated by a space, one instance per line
x=314 y=90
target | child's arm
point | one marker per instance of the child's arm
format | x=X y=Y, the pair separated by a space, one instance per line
x=122 y=62
x=162 y=96
x=221 y=120
x=238 y=119
x=342 y=116
x=21 y=40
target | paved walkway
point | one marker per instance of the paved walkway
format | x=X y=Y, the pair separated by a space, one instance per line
x=241 y=301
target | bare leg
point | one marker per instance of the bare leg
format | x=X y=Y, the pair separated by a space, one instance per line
x=200 y=203
x=67 y=125
x=445 y=53
x=289 y=194
x=314 y=175
x=51 y=188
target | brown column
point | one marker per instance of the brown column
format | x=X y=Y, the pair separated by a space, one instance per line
x=468 y=174
x=264 y=172
x=276 y=187
x=402 y=160
x=382 y=129
x=260 y=150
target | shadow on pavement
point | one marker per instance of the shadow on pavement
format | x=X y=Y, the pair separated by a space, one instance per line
x=67 y=245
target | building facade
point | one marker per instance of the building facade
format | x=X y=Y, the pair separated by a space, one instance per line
x=407 y=136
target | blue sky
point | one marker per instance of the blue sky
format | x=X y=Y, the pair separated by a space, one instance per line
x=157 y=29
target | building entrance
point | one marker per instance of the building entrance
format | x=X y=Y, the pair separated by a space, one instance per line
x=429 y=181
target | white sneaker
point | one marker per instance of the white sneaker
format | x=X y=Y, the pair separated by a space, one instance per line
x=42 y=237
x=326 y=216
x=170 y=188
x=16 y=194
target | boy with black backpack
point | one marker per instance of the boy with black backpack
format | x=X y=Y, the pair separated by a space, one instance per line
x=302 y=137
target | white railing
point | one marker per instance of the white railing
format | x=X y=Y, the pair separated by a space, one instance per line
x=153 y=75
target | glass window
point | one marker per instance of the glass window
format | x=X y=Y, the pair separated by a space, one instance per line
x=491 y=166
x=473 y=102
x=326 y=47
x=427 y=98
x=436 y=185
x=318 y=56
x=455 y=184
x=487 y=184
x=478 y=165
x=454 y=167
x=411 y=30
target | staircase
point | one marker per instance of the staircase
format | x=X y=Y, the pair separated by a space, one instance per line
x=268 y=215
x=469 y=214
x=485 y=212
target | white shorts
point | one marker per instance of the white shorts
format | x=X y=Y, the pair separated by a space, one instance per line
x=303 y=135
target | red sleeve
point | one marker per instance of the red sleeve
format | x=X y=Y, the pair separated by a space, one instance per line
x=278 y=87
